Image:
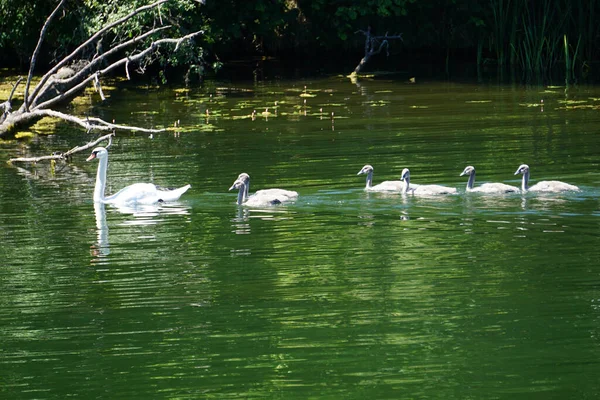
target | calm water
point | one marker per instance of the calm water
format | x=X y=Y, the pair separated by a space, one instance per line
x=343 y=294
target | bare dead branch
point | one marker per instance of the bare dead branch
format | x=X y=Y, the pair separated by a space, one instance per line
x=127 y=69
x=99 y=58
x=88 y=145
x=371 y=42
x=92 y=123
x=7 y=105
x=98 y=86
x=36 y=52
x=125 y=60
x=95 y=36
x=63 y=82
x=62 y=156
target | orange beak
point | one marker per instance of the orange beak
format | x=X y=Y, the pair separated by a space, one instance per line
x=91 y=157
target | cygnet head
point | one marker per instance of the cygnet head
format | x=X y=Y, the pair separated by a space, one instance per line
x=243 y=177
x=523 y=169
x=405 y=174
x=468 y=170
x=98 y=152
x=365 y=170
x=238 y=184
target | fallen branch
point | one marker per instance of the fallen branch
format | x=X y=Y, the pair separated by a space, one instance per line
x=71 y=75
x=89 y=123
x=97 y=60
x=95 y=36
x=64 y=156
x=125 y=60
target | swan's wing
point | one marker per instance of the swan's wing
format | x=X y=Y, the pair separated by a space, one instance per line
x=287 y=194
x=496 y=188
x=433 y=190
x=267 y=197
x=552 y=186
x=173 y=194
x=387 y=186
x=142 y=193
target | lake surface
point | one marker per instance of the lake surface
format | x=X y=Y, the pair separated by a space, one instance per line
x=344 y=294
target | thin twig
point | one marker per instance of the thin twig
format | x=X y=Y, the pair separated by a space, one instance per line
x=98 y=86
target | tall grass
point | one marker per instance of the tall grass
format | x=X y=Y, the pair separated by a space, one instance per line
x=533 y=33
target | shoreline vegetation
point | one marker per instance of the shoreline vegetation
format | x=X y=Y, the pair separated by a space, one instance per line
x=82 y=45
x=534 y=37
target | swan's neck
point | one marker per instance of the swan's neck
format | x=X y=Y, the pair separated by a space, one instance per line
x=241 y=194
x=471 y=181
x=525 y=181
x=246 y=190
x=406 y=184
x=369 y=180
x=100 y=179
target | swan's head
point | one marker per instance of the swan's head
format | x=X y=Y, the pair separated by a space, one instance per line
x=468 y=171
x=523 y=169
x=405 y=174
x=237 y=184
x=365 y=170
x=98 y=152
x=244 y=177
x=242 y=180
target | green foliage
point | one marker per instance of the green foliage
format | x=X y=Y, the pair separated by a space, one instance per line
x=522 y=33
x=20 y=26
x=19 y=30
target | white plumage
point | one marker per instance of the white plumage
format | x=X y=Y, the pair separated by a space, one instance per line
x=385 y=186
x=488 y=188
x=542 y=186
x=265 y=197
x=138 y=193
x=423 y=190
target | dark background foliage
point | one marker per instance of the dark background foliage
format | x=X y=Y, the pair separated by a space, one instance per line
x=534 y=36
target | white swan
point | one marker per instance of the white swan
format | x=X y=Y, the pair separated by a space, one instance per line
x=265 y=197
x=423 y=190
x=543 y=186
x=486 y=187
x=385 y=186
x=138 y=193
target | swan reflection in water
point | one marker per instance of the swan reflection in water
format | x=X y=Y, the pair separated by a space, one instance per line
x=101 y=248
x=141 y=214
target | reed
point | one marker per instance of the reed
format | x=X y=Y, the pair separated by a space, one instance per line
x=534 y=36
x=567 y=61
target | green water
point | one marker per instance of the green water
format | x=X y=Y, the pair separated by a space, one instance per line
x=344 y=294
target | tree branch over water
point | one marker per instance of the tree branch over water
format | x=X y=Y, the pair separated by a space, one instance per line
x=63 y=156
x=73 y=73
x=374 y=45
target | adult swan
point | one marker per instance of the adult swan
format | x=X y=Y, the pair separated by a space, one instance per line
x=543 y=186
x=265 y=197
x=138 y=193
